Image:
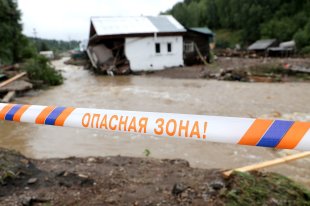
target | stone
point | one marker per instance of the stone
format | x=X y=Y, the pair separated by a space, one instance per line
x=178 y=188
x=217 y=185
x=32 y=181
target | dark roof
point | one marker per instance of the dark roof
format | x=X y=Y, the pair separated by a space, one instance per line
x=262 y=44
x=202 y=30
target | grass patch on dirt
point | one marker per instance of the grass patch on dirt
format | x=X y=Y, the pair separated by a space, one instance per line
x=264 y=189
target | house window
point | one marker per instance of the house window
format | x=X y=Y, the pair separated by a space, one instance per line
x=157 y=48
x=169 y=47
x=189 y=47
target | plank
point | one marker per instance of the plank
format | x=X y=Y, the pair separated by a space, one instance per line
x=2 y=84
x=268 y=163
x=8 y=97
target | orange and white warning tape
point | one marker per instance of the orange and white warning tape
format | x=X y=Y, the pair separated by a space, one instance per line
x=280 y=134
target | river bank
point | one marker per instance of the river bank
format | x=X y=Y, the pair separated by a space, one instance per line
x=81 y=88
x=136 y=181
x=35 y=73
x=241 y=69
x=244 y=70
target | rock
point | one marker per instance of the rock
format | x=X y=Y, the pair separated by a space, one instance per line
x=83 y=176
x=233 y=75
x=217 y=185
x=205 y=196
x=32 y=181
x=24 y=161
x=91 y=160
x=26 y=201
x=178 y=188
x=60 y=173
x=29 y=201
x=112 y=199
x=273 y=202
x=180 y=162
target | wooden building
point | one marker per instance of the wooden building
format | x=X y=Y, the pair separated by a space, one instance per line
x=196 y=48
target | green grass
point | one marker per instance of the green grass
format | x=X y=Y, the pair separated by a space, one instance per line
x=264 y=189
x=227 y=39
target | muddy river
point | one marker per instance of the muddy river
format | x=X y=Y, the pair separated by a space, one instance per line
x=155 y=94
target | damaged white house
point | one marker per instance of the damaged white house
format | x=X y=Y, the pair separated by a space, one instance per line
x=141 y=43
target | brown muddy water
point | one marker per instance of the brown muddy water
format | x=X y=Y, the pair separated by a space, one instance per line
x=155 y=94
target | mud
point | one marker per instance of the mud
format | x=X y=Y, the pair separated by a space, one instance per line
x=136 y=181
x=155 y=94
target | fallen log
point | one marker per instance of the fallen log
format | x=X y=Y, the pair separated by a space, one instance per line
x=12 y=79
x=8 y=97
x=268 y=163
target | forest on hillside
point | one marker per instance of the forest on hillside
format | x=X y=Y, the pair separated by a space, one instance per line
x=246 y=21
x=54 y=45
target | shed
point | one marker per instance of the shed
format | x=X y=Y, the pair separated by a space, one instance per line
x=262 y=45
x=48 y=54
x=285 y=49
x=197 y=45
x=143 y=43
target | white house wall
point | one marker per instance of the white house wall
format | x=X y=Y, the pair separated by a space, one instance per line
x=142 y=55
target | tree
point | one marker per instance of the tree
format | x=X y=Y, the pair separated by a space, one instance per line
x=43 y=46
x=13 y=44
x=251 y=19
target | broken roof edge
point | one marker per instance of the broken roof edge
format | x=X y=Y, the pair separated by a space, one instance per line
x=92 y=31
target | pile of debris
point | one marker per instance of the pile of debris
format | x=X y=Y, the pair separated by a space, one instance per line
x=109 y=61
x=263 y=73
x=231 y=75
x=12 y=83
x=78 y=58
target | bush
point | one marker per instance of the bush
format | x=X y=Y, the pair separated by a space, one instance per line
x=302 y=38
x=305 y=50
x=227 y=39
x=40 y=69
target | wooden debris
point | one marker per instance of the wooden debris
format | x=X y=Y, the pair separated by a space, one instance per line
x=8 y=97
x=18 y=86
x=9 y=67
x=12 y=79
x=268 y=163
x=200 y=55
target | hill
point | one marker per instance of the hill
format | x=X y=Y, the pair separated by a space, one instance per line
x=246 y=21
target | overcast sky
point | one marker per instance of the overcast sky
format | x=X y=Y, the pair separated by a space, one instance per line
x=70 y=19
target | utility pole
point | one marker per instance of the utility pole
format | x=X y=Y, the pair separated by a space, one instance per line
x=69 y=38
x=35 y=33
